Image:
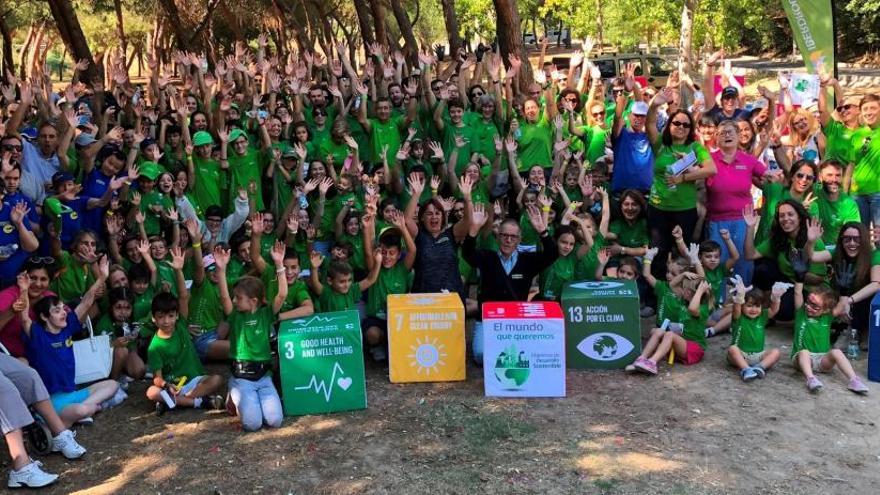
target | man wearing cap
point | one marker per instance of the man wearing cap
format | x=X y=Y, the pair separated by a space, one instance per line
x=730 y=95
x=244 y=164
x=633 y=154
x=153 y=202
x=207 y=176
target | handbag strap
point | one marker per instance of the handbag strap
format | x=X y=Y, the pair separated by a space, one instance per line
x=91 y=333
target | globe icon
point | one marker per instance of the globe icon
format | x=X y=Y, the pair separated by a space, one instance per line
x=605 y=346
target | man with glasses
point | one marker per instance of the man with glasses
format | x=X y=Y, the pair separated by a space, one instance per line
x=833 y=206
x=840 y=128
x=506 y=274
x=29 y=184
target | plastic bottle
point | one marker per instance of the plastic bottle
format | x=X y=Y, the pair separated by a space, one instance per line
x=852 y=350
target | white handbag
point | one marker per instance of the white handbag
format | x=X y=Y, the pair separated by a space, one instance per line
x=92 y=357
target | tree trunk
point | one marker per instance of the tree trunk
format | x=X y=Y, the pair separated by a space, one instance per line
x=363 y=17
x=8 y=65
x=120 y=29
x=451 y=26
x=510 y=38
x=685 y=42
x=25 y=49
x=72 y=34
x=410 y=47
x=181 y=38
x=379 y=22
x=600 y=25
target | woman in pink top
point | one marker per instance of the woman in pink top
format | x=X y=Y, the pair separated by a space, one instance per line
x=40 y=270
x=728 y=191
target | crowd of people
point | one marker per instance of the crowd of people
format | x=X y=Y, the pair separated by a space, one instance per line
x=187 y=216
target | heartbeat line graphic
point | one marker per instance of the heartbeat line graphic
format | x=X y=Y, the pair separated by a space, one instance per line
x=323 y=387
x=315 y=318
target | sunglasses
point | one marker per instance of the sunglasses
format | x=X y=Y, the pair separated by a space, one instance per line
x=598 y=114
x=12 y=147
x=39 y=261
x=843 y=108
x=851 y=239
x=801 y=175
x=617 y=91
x=510 y=237
x=678 y=123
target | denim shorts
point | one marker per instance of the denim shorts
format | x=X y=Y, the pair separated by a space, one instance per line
x=203 y=341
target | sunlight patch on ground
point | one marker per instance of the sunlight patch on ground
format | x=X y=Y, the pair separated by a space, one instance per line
x=626 y=464
x=131 y=474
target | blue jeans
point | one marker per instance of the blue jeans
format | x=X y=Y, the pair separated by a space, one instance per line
x=257 y=402
x=737 y=229
x=869 y=208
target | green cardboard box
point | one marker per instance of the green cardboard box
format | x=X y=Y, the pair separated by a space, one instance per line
x=322 y=364
x=602 y=324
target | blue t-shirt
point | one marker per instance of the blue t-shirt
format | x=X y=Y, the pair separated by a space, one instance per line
x=52 y=354
x=33 y=216
x=94 y=186
x=71 y=219
x=12 y=256
x=633 y=162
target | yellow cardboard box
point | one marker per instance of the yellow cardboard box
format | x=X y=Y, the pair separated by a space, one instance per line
x=426 y=338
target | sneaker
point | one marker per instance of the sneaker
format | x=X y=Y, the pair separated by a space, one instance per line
x=630 y=368
x=748 y=374
x=814 y=384
x=858 y=386
x=645 y=365
x=65 y=443
x=760 y=370
x=161 y=407
x=646 y=312
x=378 y=353
x=710 y=332
x=31 y=476
x=124 y=382
x=117 y=399
x=87 y=421
x=213 y=402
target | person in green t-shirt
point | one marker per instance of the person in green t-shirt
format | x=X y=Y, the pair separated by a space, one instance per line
x=840 y=130
x=209 y=335
x=208 y=177
x=117 y=323
x=746 y=351
x=385 y=129
x=178 y=377
x=689 y=346
x=298 y=302
x=340 y=294
x=811 y=346
x=627 y=233
x=553 y=278
x=393 y=278
x=246 y=164
x=865 y=184
x=456 y=135
x=832 y=206
x=250 y=323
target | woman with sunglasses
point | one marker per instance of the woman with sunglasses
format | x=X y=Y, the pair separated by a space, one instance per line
x=841 y=126
x=806 y=140
x=793 y=241
x=800 y=179
x=855 y=267
x=673 y=196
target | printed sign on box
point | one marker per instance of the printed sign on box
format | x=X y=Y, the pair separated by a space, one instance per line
x=523 y=349
x=322 y=364
x=426 y=338
x=603 y=328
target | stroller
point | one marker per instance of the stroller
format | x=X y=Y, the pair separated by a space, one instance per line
x=37 y=435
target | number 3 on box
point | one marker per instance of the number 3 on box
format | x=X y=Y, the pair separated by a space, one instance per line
x=288 y=350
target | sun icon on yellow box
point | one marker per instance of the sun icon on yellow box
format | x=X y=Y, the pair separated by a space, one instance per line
x=427 y=355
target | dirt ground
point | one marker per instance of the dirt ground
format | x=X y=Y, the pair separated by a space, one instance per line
x=690 y=430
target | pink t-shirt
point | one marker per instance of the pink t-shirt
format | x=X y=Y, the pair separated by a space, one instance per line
x=730 y=189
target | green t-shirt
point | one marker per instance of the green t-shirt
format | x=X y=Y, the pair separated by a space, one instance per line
x=249 y=335
x=394 y=280
x=330 y=300
x=586 y=267
x=716 y=278
x=595 y=140
x=205 y=309
x=357 y=244
x=553 y=279
x=683 y=196
x=695 y=326
x=243 y=170
x=339 y=152
x=450 y=132
x=839 y=142
x=297 y=292
x=833 y=214
x=382 y=134
x=811 y=334
x=483 y=134
x=174 y=356
x=165 y=276
x=152 y=219
x=773 y=193
x=766 y=250
x=140 y=310
x=74 y=278
x=535 y=144
x=631 y=236
x=669 y=306
x=866 y=175
x=748 y=333
x=210 y=182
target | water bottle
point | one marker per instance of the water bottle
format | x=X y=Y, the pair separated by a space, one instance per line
x=303 y=202
x=852 y=351
x=8 y=250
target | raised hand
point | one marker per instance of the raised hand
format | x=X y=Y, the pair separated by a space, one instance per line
x=750 y=216
x=316 y=258
x=277 y=253
x=779 y=289
x=537 y=219
x=478 y=218
x=814 y=229
x=178 y=258
x=650 y=254
x=416 y=184
x=677 y=233
x=222 y=257
x=257 y=224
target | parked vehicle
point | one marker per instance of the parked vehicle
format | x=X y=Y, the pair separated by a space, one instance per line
x=655 y=69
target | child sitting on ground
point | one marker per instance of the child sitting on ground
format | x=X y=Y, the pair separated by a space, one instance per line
x=811 y=350
x=49 y=343
x=746 y=350
x=172 y=356
x=250 y=322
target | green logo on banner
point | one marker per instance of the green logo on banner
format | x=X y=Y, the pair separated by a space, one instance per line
x=512 y=367
x=322 y=364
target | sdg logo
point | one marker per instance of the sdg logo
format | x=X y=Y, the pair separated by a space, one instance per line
x=605 y=346
x=597 y=285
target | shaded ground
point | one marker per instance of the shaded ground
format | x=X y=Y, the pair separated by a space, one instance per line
x=691 y=430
